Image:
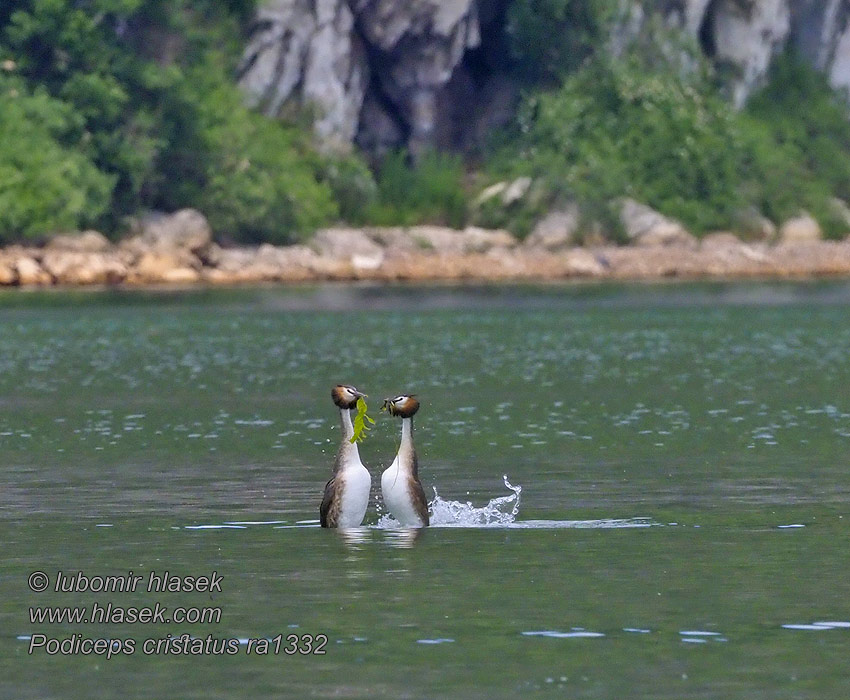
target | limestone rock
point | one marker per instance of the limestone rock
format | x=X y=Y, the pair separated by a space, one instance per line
x=821 y=35
x=481 y=240
x=307 y=54
x=508 y=192
x=720 y=240
x=753 y=225
x=155 y=267
x=516 y=190
x=83 y=268
x=416 y=47
x=490 y=192
x=349 y=244
x=31 y=273
x=748 y=34
x=583 y=263
x=239 y=265
x=380 y=131
x=646 y=227
x=801 y=229
x=85 y=242
x=556 y=230
x=8 y=272
x=267 y=263
x=186 y=230
x=440 y=240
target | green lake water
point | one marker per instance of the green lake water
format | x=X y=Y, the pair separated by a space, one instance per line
x=681 y=532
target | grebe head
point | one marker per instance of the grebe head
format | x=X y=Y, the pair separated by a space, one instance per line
x=403 y=406
x=345 y=396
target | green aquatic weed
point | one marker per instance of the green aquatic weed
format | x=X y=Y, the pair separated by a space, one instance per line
x=360 y=420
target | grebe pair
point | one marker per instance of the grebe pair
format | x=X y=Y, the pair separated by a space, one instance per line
x=347 y=493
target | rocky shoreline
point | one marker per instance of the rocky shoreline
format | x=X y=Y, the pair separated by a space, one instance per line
x=178 y=249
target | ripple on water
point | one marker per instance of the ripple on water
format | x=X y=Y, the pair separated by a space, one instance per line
x=214 y=527
x=817 y=626
x=574 y=634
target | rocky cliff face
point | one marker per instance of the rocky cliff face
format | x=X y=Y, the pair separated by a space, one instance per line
x=418 y=73
x=305 y=53
x=820 y=31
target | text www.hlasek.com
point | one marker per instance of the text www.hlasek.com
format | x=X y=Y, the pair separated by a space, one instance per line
x=111 y=614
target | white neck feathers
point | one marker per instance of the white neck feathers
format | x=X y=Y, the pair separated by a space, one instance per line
x=405 y=450
x=348 y=452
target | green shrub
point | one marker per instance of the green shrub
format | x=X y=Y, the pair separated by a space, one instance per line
x=800 y=130
x=628 y=127
x=45 y=185
x=352 y=185
x=429 y=191
x=149 y=84
x=614 y=130
x=257 y=179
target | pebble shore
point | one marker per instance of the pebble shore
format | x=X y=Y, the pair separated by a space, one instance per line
x=178 y=249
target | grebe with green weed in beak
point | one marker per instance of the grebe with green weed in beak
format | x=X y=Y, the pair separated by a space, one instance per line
x=347 y=493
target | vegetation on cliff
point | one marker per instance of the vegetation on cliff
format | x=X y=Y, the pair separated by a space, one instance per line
x=109 y=108
x=617 y=128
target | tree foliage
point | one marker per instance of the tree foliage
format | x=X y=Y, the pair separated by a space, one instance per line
x=46 y=184
x=148 y=85
x=621 y=127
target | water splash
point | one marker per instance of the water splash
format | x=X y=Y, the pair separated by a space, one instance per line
x=499 y=512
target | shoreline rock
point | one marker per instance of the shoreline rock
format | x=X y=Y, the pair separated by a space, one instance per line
x=179 y=251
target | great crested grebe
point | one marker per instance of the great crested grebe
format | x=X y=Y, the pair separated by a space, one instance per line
x=400 y=486
x=347 y=493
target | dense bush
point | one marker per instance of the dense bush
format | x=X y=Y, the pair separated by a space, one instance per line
x=45 y=185
x=612 y=130
x=148 y=84
x=801 y=134
x=256 y=180
x=431 y=190
x=617 y=128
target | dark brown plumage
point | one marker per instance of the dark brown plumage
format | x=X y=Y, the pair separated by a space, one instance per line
x=329 y=510
x=417 y=496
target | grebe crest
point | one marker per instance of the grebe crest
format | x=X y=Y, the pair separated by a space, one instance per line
x=345 y=396
x=403 y=406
